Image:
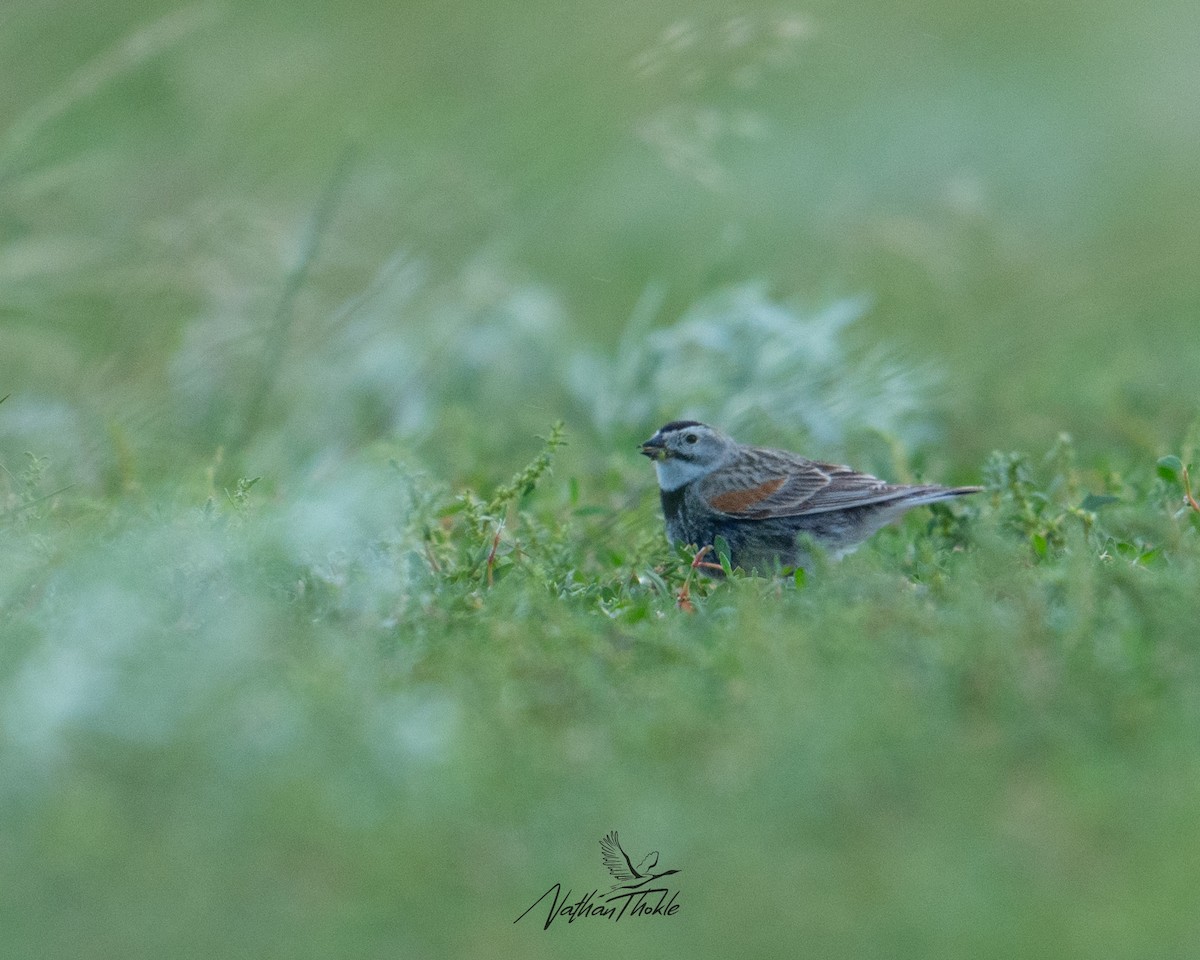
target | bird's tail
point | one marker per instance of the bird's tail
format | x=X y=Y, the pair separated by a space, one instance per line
x=934 y=494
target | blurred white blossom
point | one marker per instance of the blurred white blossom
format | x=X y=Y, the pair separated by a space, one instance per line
x=739 y=358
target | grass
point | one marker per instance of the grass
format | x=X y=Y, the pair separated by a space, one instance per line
x=336 y=617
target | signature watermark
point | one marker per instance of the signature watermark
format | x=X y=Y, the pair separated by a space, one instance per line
x=636 y=893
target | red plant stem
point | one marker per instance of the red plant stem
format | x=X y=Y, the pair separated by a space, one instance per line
x=1187 y=491
x=491 y=560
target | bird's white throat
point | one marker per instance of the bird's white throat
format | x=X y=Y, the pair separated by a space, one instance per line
x=673 y=473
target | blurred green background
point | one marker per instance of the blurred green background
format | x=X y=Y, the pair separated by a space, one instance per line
x=296 y=240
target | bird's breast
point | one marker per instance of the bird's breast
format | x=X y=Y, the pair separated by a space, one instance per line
x=672 y=504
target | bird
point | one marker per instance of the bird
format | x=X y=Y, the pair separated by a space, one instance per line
x=621 y=867
x=763 y=502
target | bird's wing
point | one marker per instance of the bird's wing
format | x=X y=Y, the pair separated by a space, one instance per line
x=614 y=857
x=761 y=484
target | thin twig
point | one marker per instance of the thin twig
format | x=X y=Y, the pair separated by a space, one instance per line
x=30 y=503
x=684 y=600
x=285 y=311
x=434 y=565
x=132 y=52
x=1187 y=491
x=491 y=560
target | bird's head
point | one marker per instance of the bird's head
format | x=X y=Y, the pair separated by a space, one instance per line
x=683 y=450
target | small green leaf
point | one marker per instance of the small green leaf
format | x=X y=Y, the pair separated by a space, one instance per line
x=1169 y=467
x=721 y=546
x=591 y=511
x=1094 y=501
x=1039 y=543
x=1150 y=556
x=798 y=578
x=657 y=582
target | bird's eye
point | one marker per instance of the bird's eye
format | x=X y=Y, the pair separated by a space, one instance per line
x=691 y=438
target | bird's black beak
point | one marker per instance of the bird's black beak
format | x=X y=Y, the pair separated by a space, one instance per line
x=654 y=448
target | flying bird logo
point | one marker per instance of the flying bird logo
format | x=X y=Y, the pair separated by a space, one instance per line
x=629 y=877
x=634 y=895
